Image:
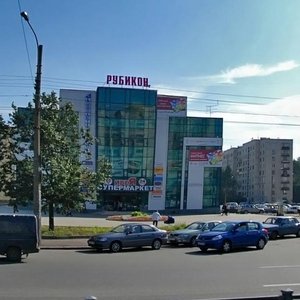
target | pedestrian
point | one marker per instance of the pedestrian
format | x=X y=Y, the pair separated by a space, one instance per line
x=155 y=218
x=15 y=208
x=224 y=210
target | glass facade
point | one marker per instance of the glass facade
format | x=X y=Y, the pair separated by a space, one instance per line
x=179 y=128
x=126 y=125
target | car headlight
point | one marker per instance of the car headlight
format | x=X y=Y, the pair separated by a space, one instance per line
x=217 y=237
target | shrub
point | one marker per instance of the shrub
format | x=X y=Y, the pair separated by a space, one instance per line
x=138 y=214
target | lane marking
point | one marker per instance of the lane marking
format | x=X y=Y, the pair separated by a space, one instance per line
x=281 y=284
x=273 y=267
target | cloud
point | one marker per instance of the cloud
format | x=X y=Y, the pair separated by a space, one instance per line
x=253 y=70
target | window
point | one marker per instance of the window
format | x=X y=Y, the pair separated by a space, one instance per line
x=147 y=228
x=136 y=229
x=253 y=226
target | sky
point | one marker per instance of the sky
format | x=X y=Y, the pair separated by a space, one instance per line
x=234 y=59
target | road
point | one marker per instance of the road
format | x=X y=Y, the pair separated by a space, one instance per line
x=170 y=273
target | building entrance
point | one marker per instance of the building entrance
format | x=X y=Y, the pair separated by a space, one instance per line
x=124 y=201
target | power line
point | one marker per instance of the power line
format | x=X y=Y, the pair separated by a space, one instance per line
x=161 y=88
x=224 y=94
x=247 y=113
x=262 y=123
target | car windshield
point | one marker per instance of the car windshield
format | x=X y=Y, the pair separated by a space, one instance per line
x=226 y=226
x=195 y=226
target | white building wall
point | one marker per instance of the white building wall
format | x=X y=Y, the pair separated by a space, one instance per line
x=167 y=106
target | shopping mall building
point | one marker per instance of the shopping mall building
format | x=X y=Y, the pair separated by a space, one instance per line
x=161 y=159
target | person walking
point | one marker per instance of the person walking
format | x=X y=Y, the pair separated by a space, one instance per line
x=15 y=208
x=155 y=218
x=224 y=210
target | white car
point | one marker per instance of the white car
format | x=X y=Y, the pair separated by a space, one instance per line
x=291 y=209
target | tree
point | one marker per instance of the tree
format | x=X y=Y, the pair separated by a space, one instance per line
x=65 y=183
x=5 y=152
x=229 y=185
x=296 y=180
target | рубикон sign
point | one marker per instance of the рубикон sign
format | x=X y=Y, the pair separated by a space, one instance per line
x=127 y=80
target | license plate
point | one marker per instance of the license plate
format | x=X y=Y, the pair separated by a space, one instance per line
x=200 y=243
x=91 y=243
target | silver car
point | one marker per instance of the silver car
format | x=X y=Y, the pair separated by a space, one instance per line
x=251 y=208
x=129 y=235
x=188 y=235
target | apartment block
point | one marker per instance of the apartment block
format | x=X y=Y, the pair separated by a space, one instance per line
x=263 y=169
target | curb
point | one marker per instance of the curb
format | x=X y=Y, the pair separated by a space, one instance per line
x=65 y=248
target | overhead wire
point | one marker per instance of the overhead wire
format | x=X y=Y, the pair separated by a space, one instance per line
x=93 y=84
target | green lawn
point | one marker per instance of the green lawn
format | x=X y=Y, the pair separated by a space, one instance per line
x=77 y=231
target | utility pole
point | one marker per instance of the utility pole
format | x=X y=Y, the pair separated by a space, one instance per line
x=37 y=134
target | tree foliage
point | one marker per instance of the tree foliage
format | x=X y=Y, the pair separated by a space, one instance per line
x=65 y=183
x=296 y=180
x=229 y=186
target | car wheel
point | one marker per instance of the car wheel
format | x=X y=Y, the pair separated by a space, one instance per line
x=115 y=247
x=273 y=235
x=14 y=254
x=298 y=233
x=261 y=244
x=226 y=247
x=203 y=249
x=156 y=244
x=246 y=211
x=193 y=241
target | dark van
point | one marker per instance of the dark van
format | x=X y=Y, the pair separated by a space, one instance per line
x=18 y=236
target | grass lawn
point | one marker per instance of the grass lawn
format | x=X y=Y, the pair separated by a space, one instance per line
x=77 y=231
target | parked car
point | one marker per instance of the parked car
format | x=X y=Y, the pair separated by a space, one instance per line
x=270 y=208
x=233 y=234
x=291 y=209
x=281 y=226
x=18 y=236
x=232 y=207
x=129 y=235
x=188 y=235
x=250 y=208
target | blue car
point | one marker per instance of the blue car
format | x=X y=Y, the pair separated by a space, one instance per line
x=229 y=235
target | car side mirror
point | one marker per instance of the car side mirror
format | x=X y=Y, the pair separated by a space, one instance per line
x=127 y=231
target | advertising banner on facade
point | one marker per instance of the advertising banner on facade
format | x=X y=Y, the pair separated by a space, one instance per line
x=211 y=158
x=171 y=104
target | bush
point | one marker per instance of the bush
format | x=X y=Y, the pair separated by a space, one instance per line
x=138 y=214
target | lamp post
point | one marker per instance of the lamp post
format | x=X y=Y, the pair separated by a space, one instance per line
x=37 y=132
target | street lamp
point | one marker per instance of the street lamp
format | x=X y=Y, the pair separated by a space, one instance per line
x=37 y=132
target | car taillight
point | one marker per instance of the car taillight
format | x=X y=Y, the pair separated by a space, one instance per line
x=265 y=231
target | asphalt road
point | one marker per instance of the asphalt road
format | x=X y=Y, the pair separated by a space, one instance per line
x=170 y=273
